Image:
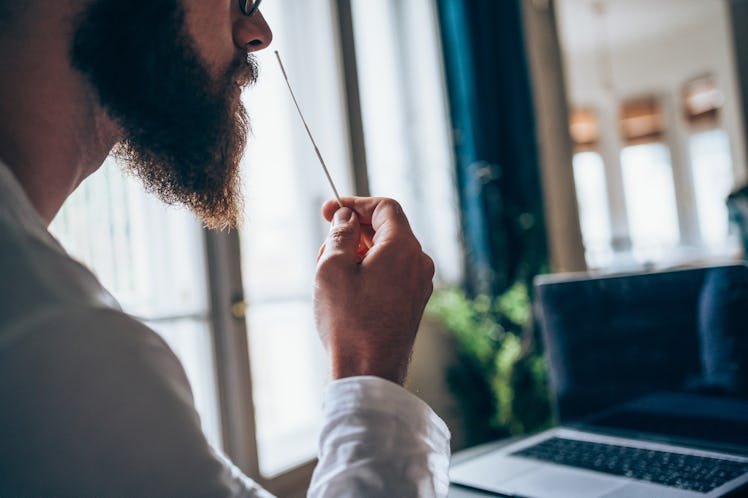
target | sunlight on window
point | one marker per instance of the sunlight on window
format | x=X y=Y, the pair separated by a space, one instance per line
x=711 y=168
x=406 y=122
x=650 y=201
x=151 y=258
x=289 y=371
x=594 y=215
x=283 y=229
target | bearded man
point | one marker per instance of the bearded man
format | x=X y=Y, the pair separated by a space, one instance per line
x=93 y=402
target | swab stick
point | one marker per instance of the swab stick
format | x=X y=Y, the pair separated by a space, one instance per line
x=316 y=149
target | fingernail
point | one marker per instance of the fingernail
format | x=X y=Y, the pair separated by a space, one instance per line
x=342 y=216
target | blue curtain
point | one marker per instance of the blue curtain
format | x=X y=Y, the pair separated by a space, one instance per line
x=495 y=143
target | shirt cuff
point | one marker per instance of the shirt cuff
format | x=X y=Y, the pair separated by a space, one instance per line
x=376 y=394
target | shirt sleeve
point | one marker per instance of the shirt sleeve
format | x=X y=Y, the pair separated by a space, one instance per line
x=379 y=440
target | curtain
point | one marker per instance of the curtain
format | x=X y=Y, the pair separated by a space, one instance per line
x=495 y=145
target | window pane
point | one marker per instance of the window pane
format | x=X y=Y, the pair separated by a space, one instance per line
x=713 y=179
x=289 y=371
x=151 y=258
x=283 y=228
x=138 y=247
x=406 y=121
x=594 y=215
x=650 y=201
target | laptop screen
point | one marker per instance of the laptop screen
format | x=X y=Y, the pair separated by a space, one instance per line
x=654 y=352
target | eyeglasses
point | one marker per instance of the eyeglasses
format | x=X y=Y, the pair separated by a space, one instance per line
x=249 y=7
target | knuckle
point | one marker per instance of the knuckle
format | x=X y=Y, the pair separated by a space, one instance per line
x=392 y=204
x=429 y=289
x=429 y=265
x=340 y=234
x=415 y=247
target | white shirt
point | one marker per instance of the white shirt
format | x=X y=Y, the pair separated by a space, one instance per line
x=93 y=403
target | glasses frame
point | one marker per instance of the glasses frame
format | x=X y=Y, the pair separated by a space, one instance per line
x=248 y=11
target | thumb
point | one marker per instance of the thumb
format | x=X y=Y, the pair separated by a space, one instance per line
x=344 y=235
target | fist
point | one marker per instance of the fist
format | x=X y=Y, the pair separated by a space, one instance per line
x=372 y=284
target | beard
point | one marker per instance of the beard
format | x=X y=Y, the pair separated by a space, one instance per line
x=184 y=131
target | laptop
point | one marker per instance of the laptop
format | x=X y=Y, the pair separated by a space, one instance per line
x=649 y=382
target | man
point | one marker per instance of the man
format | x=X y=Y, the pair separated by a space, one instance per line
x=93 y=402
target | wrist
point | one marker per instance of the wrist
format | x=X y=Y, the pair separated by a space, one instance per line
x=343 y=368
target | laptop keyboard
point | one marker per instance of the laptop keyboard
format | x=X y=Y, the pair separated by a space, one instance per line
x=689 y=472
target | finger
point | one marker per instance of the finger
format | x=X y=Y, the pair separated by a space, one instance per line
x=429 y=266
x=361 y=251
x=367 y=236
x=329 y=208
x=366 y=241
x=381 y=213
x=365 y=207
x=343 y=239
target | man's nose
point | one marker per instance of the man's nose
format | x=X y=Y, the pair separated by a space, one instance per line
x=252 y=33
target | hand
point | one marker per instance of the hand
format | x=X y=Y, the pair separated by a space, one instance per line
x=372 y=284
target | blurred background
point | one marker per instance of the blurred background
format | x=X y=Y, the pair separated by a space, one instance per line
x=522 y=137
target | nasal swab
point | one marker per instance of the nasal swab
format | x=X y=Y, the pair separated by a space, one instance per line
x=316 y=149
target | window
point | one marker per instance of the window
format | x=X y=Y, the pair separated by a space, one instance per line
x=589 y=181
x=711 y=167
x=406 y=121
x=650 y=201
x=711 y=164
x=594 y=218
x=648 y=181
x=660 y=200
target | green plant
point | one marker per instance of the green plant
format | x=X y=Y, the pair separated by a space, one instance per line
x=500 y=377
